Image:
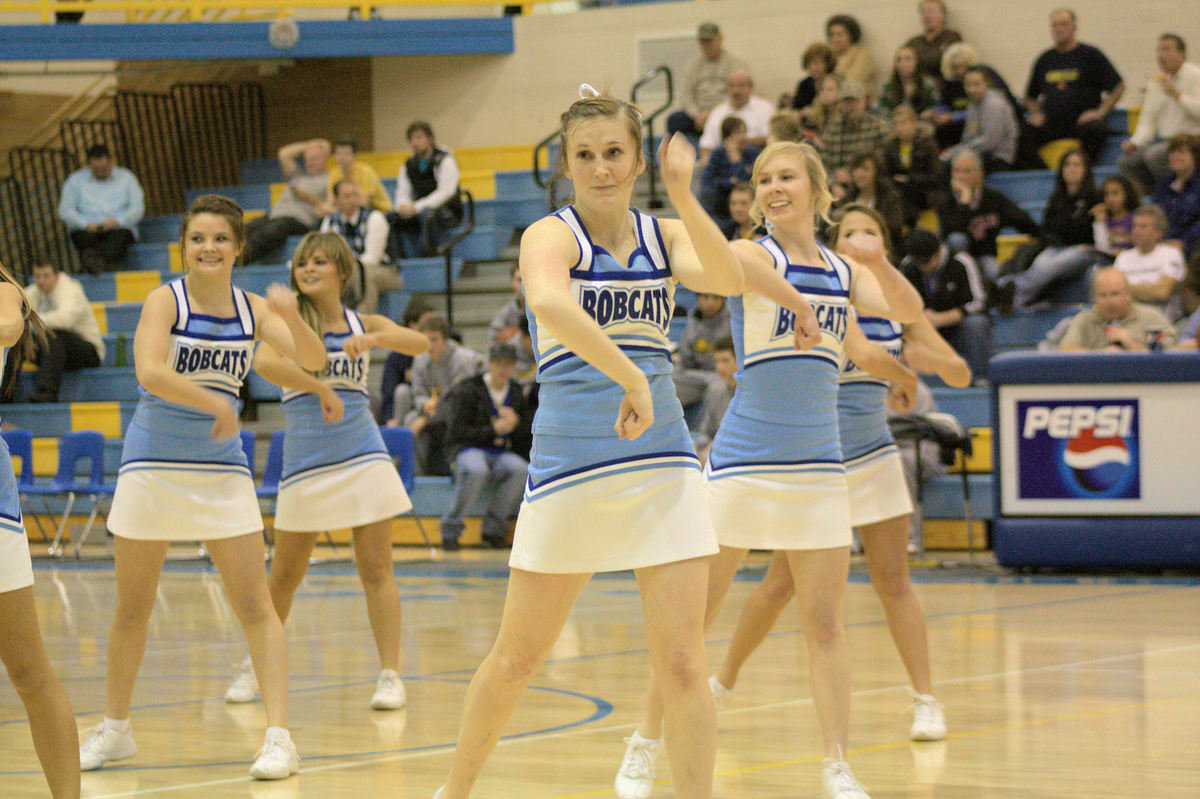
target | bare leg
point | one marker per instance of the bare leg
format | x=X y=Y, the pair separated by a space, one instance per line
x=138 y=565
x=535 y=610
x=373 y=556
x=289 y=564
x=759 y=614
x=886 y=547
x=675 y=621
x=55 y=738
x=722 y=568
x=240 y=562
x=820 y=577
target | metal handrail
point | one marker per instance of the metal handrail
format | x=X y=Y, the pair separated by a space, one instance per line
x=537 y=169
x=648 y=121
x=446 y=249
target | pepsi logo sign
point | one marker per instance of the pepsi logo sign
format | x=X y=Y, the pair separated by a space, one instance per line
x=1079 y=449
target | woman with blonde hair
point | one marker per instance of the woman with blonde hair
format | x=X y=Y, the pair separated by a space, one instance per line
x=337 y=473
x=776 y=458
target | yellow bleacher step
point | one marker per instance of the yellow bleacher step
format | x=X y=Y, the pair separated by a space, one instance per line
x=504 y=158
x=45 y=456
x=136 y=286
x=928 y=220
x=980 y=461
x=102 y=416
x=1052 y=152
x=101 y=313
x=952 y=533
x=1007 y=244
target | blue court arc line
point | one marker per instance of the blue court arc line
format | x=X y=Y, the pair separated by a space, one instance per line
x=602 y=708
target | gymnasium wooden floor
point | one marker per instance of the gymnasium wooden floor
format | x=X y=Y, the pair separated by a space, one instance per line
x=1054 y=687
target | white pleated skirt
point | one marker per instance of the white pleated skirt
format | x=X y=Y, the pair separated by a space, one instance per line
x=362 y=491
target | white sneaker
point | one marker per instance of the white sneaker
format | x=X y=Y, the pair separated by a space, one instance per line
x=244 y=686
x=635 y=778
x=929 y=719
x=389 y=692
x=105 y=744
x=720 y=692
x=837 y=782
x=277 y=760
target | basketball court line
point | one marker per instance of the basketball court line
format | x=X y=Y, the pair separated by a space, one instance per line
x=537 y=737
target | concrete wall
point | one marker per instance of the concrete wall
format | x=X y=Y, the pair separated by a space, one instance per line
x=516 y=99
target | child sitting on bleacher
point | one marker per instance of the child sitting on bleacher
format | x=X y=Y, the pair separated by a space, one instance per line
x=1112 y=228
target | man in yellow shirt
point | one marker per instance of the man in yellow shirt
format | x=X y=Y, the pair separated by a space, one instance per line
x=347 y=167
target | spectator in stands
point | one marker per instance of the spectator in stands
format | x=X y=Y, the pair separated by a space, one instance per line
x=1153 y=267
x=855 y=130
x=930 y=45
x=784 y=127
x=427 y=202
x=741 y=224
x=695 y=365
x=909 y=84
x=823 y=110
x=870 y=187
x=1189 y=332
x=755 y=111
x=951 y=115
x=346 y=166
x=1179 y=193
x=1171 y=106
x=101 y=205
x=434 y=373
x=302 y=204
x=397 y=366
x=1072 y=87
x=1067 y=234
x=729 y=164
x=717 y=396
x=972 y=215
x=955 y=301
x=366 y=231
x=506 y=325
x=72 y=336
x=488 y=435
x=854 y=63
x=1115 y=323
x=704 y=80
x=991 y=128
x=910 y=160
x=1112 y=225
x=818 y=61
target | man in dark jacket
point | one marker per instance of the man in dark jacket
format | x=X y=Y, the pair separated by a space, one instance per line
x=488 y=435
x=973 y=215
x=955 y=302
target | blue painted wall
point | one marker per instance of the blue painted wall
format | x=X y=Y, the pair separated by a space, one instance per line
x=201 y=40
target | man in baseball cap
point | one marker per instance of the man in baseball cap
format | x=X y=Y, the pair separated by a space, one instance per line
x=704 y=79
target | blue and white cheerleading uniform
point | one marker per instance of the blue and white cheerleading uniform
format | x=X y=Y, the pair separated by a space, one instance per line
x=336 y=475
x=775 y=473
x=594 y=502
x=877 y=487
x=16 y=569
x=176 y=483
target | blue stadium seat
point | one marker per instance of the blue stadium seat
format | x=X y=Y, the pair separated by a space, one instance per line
x=971 y=406
x=400 y=445
x=72 y=448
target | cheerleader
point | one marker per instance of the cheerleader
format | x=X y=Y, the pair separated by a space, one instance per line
x=880 y=506
x=775 y=473
x=336 y=471
x=183 y=474
x=599 y=280
x=55 y=738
